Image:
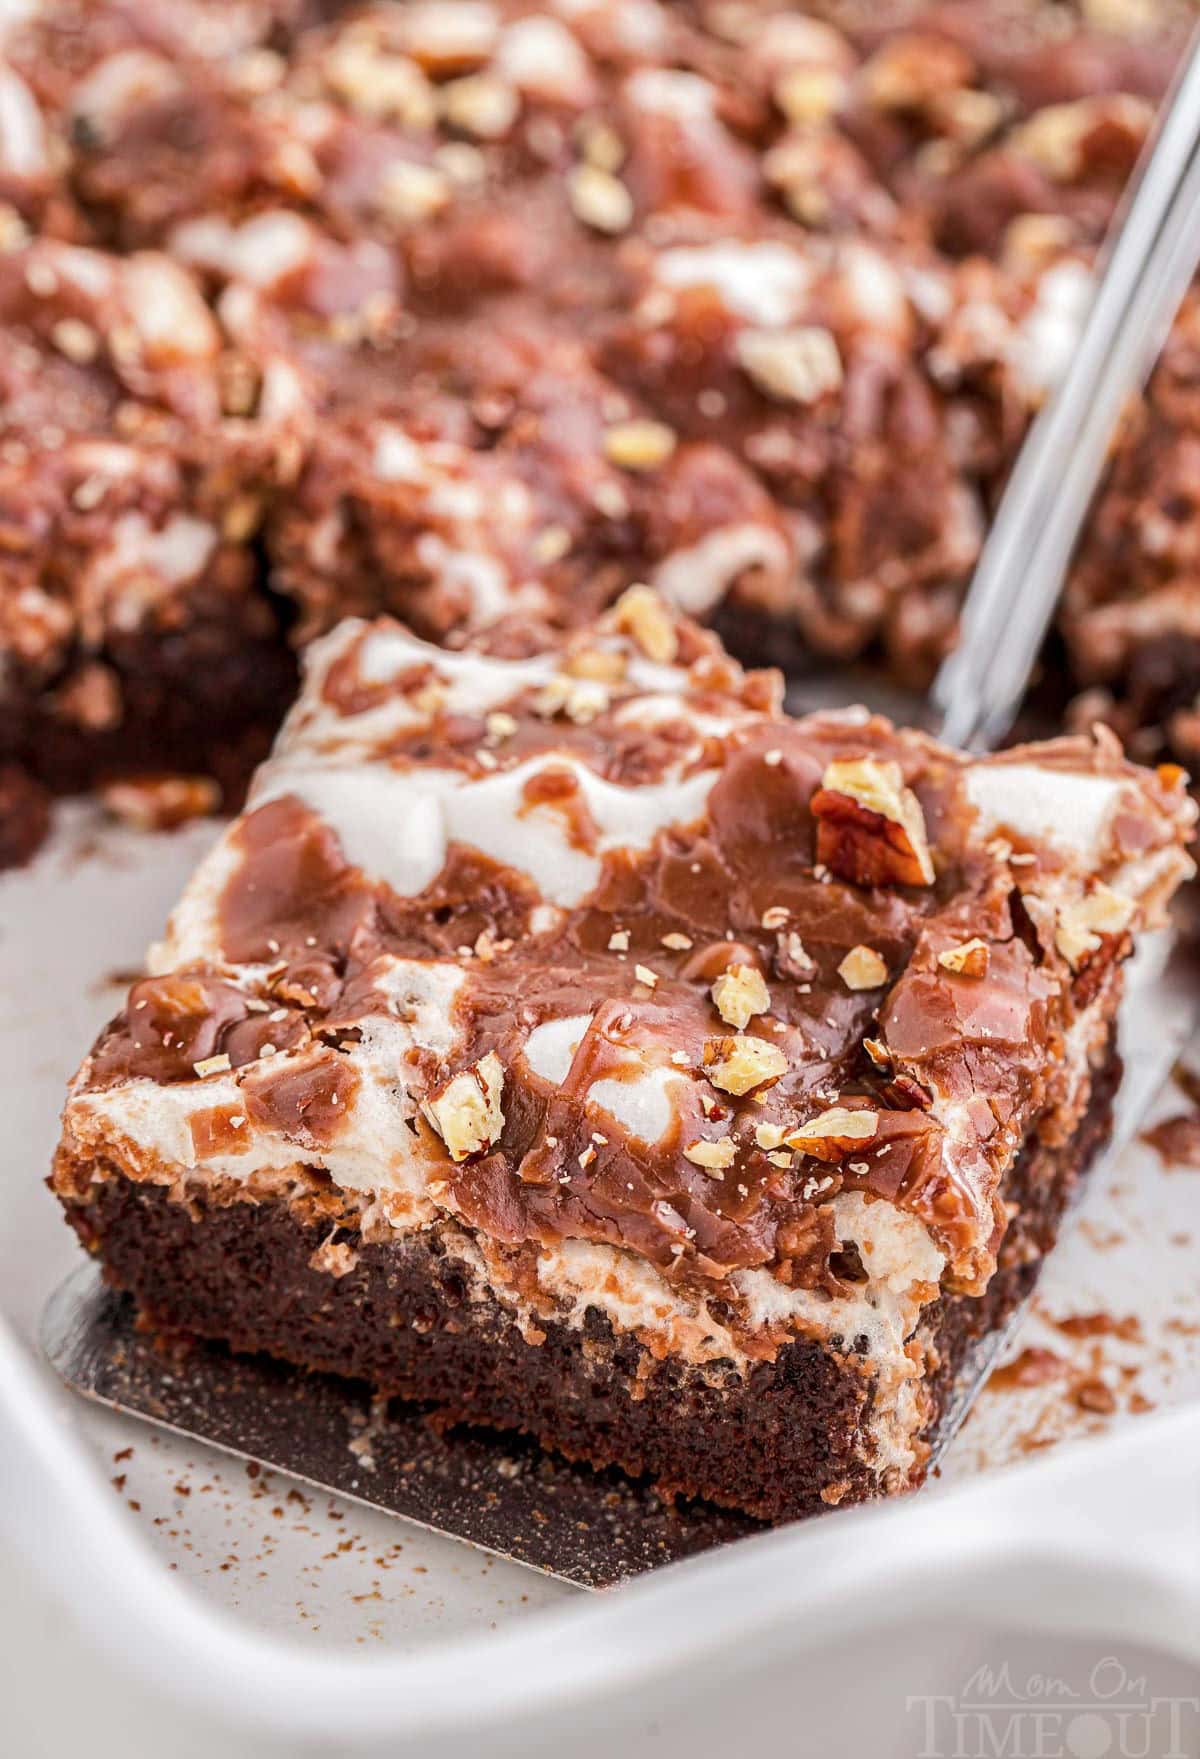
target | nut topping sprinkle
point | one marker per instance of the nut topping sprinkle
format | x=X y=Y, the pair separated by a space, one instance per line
x=641 y=613
x=466 y=1112
x=795 y=366
x=580 y=699
x=713 y=1156
x=870 y=826
x=833 y=1134
x=741 y=1063
x=1080 y=925
x=217 y=1065
x=739 y=994
x=480 y=106
x=599 y=199
x=862 y=968
x=639 y=445
x=968 y=959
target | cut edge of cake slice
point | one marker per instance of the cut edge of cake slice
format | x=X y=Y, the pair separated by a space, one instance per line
x=572 y=1041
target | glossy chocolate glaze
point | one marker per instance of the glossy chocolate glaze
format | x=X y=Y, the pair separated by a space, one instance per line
x=951 y=1068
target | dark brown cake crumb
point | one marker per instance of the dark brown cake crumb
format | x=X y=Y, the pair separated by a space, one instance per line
x=24 y=815
x=1176 y=1140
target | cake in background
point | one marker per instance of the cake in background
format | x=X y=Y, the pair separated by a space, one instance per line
x=480 y=310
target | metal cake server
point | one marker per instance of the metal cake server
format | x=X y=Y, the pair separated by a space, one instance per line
x=1148 y=263
x=502 y=1493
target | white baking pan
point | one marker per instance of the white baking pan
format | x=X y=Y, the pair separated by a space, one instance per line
x=283 y=1622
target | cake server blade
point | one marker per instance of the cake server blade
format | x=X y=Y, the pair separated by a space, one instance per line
x=501 y=1494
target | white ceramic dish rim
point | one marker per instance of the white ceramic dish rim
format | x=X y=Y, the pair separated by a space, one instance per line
x=1101 y=1539
x=1056 y=1546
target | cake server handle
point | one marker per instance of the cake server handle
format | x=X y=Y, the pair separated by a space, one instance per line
x=1148 y=261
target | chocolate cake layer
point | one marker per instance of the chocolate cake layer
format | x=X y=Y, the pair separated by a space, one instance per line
x=592 y=972
x=784 y=1440
x=204 y=700
x=136 y=634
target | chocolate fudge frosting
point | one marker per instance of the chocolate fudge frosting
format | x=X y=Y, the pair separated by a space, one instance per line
x=481 y=308
x=597 y=945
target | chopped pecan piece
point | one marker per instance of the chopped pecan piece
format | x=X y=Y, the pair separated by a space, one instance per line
x=912 y=69
x=480 y=106
x=793 y=366
x=740 y=1063
x=580 y=699
x=862 y=968
x=466 y=1111
x=835 y=1133
x=641 y=613
x=500 y=726
x=217 y=1065
x=968 y=959
x=598 y=664
x=410 y=193
x=870 y=827
x=1056 y=138
x=1080 y=925
x=809 y=95
x=380 y=85
x=878 y=1052
x=77 y=340
x=639 y=445
x=599 y=199
x=712 y=1156
x=739 y=994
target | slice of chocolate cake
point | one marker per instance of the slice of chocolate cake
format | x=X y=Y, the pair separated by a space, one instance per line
x=575 y=1043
